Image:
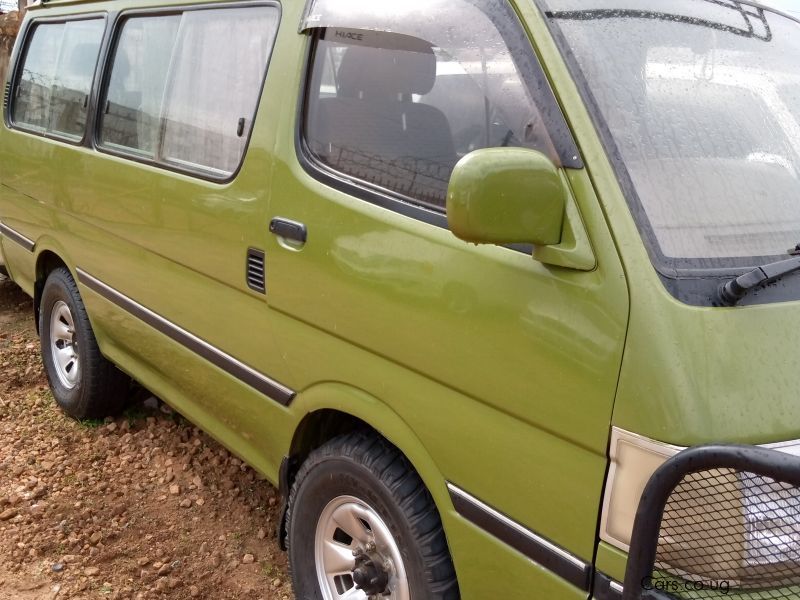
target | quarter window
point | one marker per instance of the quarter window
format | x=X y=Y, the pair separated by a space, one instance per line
x=183 y=89
x=52 y=94
x=397 y=104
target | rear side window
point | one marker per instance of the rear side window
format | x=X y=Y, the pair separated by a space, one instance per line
x=52 y=93
x=132 y=119
x=396 y=97
x=183 y=89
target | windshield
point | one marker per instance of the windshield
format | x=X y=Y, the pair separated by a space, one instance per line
x=701 y=101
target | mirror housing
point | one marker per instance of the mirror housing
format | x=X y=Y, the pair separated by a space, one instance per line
x=506 y=196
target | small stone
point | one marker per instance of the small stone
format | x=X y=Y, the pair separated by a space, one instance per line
x=261 y=533
x=194 y=591
x=142 y=562
x=39 y=492
x=248 y=559
x=95 y=537
x=186 y=503
x=276 y=582
x=30 y=585
x=91 y=571
x=200 y=502
x=175 y=489
x=57 y=567
x=7 y=514
x=165 y=570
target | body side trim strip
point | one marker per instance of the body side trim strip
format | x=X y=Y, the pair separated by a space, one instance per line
x=535 y=547
x=17 y=237
x=606 y=588
x=258 y=381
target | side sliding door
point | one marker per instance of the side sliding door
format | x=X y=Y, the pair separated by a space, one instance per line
x=169 y=216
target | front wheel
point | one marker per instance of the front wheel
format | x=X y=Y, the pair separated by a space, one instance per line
x=84 y=384
x=362 y=525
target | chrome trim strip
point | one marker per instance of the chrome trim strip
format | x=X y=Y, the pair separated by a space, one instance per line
x=535 y=547
x=258 y=381
x=16 y=236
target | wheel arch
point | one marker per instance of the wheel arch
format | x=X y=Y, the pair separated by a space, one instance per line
x=49 y=256
x=332 y=409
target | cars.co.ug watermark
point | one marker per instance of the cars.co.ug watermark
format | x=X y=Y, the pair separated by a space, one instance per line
x=674 y=586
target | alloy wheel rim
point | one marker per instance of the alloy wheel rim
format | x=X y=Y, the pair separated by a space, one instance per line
x=356 y=556
x=64 y=345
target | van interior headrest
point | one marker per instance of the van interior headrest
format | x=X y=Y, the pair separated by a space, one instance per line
x=380 y=72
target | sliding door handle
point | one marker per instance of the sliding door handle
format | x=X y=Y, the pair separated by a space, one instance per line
x=289 y=230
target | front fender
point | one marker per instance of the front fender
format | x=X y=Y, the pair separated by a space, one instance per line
x=378 y=415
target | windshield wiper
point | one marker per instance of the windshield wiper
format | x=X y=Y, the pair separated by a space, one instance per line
x=734 y=290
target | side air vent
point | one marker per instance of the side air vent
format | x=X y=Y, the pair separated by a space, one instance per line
x=255 y=270
x=7 y=95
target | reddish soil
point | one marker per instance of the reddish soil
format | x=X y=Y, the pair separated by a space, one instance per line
x=142 y=507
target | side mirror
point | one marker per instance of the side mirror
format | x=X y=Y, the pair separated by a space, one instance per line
x=506 y=196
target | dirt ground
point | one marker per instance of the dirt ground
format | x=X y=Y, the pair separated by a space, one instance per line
x=145 y=506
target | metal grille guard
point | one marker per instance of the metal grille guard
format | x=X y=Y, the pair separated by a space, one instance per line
x=751 y=469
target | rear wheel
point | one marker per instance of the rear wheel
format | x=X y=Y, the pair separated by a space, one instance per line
x=84 y=384
x=362 y=525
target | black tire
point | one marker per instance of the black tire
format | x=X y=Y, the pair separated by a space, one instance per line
x=100 y=389
x=367 y=467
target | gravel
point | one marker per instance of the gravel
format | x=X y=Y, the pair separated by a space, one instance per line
x=141 y=507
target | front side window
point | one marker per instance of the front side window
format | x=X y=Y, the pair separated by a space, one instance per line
x=52 y=93
x=701 y=100
x=396 y=96
x=183 y=89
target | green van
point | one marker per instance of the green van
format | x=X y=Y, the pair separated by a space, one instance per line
x=504 y=295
